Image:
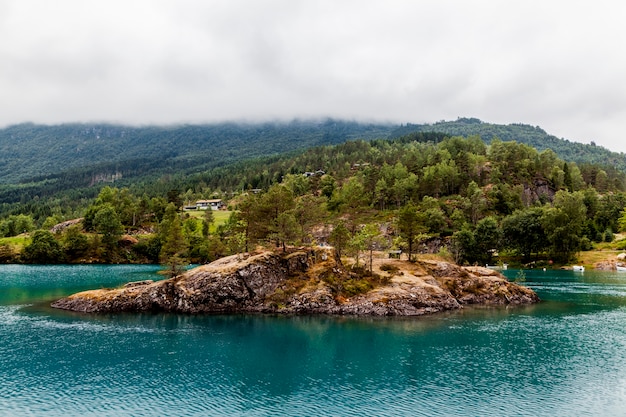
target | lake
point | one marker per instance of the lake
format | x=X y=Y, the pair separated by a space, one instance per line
x=563 y=357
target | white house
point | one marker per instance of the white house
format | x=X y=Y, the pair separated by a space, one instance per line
x=215 y=204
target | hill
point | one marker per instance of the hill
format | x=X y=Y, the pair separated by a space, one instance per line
x=533 y=136
x=33 y=152
x=421 y=190
x=38 y=161
x=69 y=163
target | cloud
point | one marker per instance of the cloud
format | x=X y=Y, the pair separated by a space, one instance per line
x=554 y=64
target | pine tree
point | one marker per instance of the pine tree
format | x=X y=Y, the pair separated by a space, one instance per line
x=173 y=249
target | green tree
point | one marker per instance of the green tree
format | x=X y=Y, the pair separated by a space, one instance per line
x=464 y=245
x=286 y=228
x=16 y=224
x=610 y=207
x=327 y=185
x=524 y=232
x=369 y=238
x=351 y=197
x=434 y=220
x=602 y=181
x=207 y=220
x=43 y=249
x=50 y=222
x=173 y=196
x=149 y=247
x=124 y=204
x=169 y=216
x=174 y=248
x=309 y=211
x=409 y=226
x=476 y=202
x=248 y=222
x=567 y=178
x=75 y=243
x=487 y=239
x=190 y=227
x=563 y=224
x=216 y=248
x=622 y=222
x=298 y=184
x=198 y=250
x=108 y=224
x=276 y=203
x=339 y=238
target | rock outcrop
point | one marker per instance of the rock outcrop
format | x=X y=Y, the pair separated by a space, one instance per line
x=305 y=282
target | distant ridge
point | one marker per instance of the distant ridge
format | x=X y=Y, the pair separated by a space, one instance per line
x=40 y=160
x=35 y=152
x=530 y=135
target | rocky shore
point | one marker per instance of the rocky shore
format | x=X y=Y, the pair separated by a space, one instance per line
x=306 y=282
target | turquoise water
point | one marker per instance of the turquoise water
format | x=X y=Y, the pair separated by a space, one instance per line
x=563 y=357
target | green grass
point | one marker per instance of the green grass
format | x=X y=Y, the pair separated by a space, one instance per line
x=219 y=217
x=18 y=242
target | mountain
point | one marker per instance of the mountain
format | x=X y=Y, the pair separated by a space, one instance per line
x=530 y=135
x=39 y=161
x=35 y=152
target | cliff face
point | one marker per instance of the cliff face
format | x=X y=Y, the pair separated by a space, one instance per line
x=304 y=283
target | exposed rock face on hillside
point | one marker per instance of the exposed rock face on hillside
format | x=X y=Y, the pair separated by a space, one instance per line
x=305 y=282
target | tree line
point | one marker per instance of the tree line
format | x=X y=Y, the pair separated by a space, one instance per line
x=358 y=196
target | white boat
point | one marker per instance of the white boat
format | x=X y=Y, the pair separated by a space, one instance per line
x=502 y=267
x=578 y=268
x=620 y=268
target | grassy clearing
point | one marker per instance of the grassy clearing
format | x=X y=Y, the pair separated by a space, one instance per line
x=590 y=258
x=18 y=242
x=220 y=216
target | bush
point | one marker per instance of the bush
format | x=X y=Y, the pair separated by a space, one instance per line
x=392 y=269
x=585 y=243
x=44 y=249
x=75 y=243
x=149 y=248
x=356 y=286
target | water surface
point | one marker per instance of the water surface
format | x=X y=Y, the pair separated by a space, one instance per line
x=563 y=357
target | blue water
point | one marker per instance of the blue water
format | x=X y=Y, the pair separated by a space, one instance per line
x=563 y=357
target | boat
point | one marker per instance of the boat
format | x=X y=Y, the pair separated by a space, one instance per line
x=579 y=268
x=620 y=268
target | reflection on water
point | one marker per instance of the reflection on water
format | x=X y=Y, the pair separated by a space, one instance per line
x=564 y=356
x=23 y=284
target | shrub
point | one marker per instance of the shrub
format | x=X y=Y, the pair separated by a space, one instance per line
x=44 y=249
x=585 y=243
x=392 y=269
x=356 y=286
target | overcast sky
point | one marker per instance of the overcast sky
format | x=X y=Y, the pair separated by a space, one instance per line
x=560 y=65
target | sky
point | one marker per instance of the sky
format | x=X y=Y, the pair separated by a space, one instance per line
x=556 y=64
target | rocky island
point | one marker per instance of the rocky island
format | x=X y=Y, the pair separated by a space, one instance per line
x=311 y=281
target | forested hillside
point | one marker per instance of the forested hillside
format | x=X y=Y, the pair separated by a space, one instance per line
x=30 y=151
x=359 y=195
x=58 y=170
x=530 y=135
x=44 y=160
